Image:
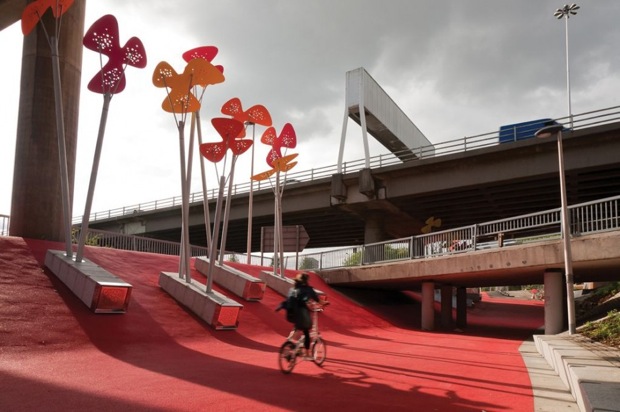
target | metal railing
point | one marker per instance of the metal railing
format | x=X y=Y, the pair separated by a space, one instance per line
x=121 y=241
x=4 y=225
x=585 y=218
x=580 y=121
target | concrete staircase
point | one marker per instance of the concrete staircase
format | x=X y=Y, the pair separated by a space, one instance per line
x=571 y=370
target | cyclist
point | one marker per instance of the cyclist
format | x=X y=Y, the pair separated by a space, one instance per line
x=305 y=293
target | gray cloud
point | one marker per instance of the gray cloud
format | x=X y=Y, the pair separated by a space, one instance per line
x=455 y=67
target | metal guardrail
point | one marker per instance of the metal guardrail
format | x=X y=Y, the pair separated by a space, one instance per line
x=121 y=241
x=580 y=121
x=590 y=217
x=4 y=225
x=115 y=240
x=585 y=218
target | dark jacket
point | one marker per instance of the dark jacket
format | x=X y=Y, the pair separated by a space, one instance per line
x=305 y=293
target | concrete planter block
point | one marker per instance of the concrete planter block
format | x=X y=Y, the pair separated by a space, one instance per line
x=100 y=290
x=215 y=309
x=241 y=284
x=283 y=284
x=276 y=282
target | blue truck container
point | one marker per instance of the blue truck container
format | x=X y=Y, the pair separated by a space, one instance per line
x=522 y=131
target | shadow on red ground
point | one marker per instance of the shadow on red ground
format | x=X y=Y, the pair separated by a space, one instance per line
x=57 y=355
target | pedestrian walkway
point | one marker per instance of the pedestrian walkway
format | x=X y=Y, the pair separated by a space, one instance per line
x=56 y=355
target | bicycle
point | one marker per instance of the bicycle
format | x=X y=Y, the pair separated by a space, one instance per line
x=291 y=352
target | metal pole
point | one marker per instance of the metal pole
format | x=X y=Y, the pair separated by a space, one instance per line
x=107 y=97
x=62 y=150
x=205 y=199
x=185 y=252
x=275 y=230
x=280 y=234
x=231 y=178
x=250 y=202
x=570 y=111
x=565 y=13
x=184 y=267
x=216 y=232
x=568 y=259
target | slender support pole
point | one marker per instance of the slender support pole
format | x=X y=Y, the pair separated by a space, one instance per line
x=568 y=259
x=216 y=232
x=227 y=210
x=185 y=252
x=62 y=150
x=570 y=111
x=251 y=201
x=276 y=228
x=280 y=232
x=107 y=97
x=184 y=265
x=205 y=193
x=343 y=137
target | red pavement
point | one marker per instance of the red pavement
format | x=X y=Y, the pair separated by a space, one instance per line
x=55 y=355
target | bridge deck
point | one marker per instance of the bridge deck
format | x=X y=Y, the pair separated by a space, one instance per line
x=595 y=257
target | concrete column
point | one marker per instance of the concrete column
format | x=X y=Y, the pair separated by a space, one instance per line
x=461 y=307
x=554 y=299
x=373 y=233
x=446 y=307
x=36 y=204
x=373 y=228
x=428 y=306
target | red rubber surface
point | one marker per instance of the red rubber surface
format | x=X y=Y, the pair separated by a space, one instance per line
x=55 y=355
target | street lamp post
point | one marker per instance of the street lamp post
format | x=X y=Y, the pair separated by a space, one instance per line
x=565 y=13
x=549 y=131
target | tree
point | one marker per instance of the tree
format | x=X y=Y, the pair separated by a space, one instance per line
x=354 y=259
x=309 y=263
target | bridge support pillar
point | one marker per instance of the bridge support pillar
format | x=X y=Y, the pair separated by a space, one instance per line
x=428 y=306
x=461 y=307
x=446 y=307
x=36 y=203
x=554 y=302
x=373 y=228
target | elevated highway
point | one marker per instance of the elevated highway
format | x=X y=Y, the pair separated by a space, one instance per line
x=462 y=187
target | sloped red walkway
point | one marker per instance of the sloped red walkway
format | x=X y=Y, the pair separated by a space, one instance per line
x=55 y=355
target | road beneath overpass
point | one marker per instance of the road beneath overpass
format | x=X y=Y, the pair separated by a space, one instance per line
x=596 y=257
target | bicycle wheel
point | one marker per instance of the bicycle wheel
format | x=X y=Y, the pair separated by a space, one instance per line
x=287 y=357
x=319 y=351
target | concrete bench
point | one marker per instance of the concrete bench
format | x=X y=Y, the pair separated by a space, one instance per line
x=100 y=290
x=214 y=308
x=281 y=284
x=240 y=283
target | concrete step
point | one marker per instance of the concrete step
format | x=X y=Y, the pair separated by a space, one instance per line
x=550 y=393
x=589 y=370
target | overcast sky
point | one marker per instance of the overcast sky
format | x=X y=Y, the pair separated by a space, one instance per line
x=456 y=68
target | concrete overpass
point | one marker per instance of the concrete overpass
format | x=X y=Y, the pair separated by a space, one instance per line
x=596 y=257
x=462 y=188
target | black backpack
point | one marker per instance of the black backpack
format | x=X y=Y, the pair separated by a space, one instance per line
x=291 y=304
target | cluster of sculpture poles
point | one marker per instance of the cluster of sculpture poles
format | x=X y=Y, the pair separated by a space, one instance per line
x=102 y=37
x=199 y=72
x=281 y=164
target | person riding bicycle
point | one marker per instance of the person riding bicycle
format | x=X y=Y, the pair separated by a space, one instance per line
x=303 y=321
